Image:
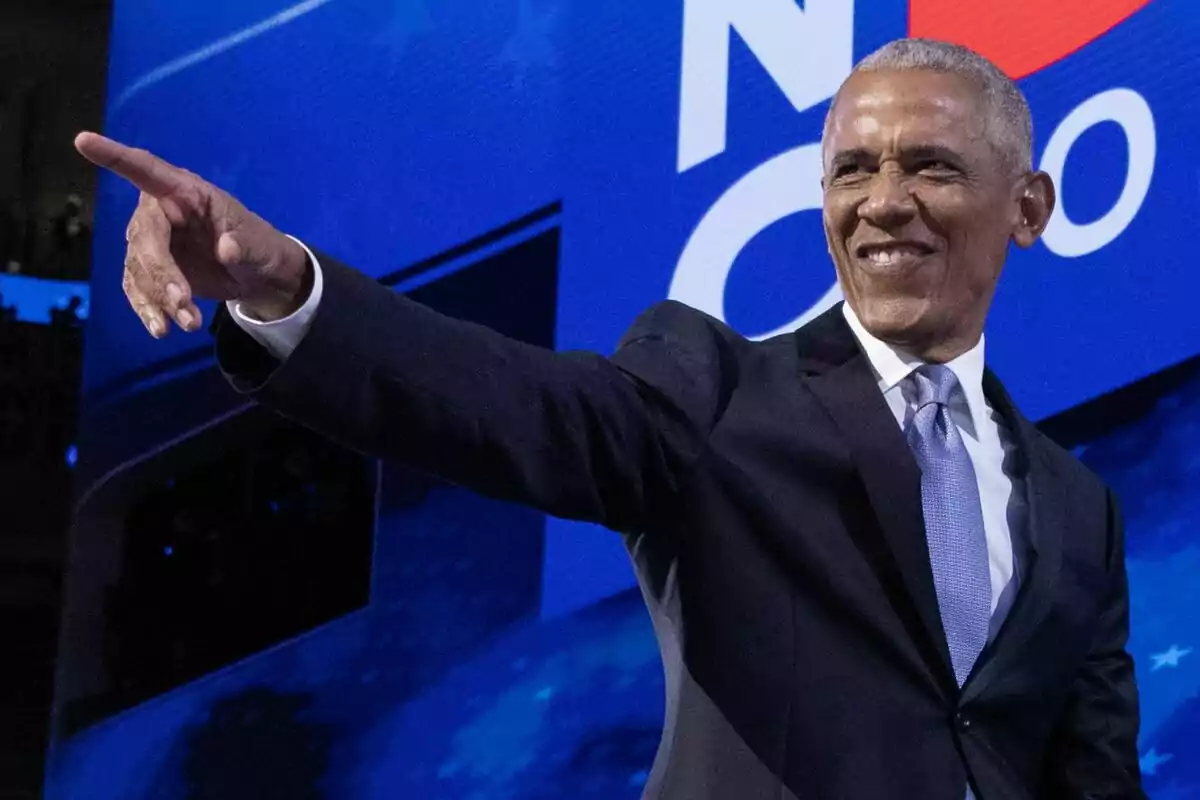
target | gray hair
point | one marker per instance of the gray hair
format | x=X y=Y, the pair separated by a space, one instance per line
x=1009 y=123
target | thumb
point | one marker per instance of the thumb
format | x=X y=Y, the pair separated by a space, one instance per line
x=229 y=250
x=241 y=248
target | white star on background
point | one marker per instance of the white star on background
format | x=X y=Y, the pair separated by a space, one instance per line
x=1169 y=658
x=1152 y=761
x=532 y=43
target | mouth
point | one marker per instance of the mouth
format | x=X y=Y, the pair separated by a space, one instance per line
x=893 y=255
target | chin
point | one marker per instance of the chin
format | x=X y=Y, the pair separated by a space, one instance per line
x=898 y=320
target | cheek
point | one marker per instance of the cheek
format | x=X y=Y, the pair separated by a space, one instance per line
x=838 y=209
x=975 y=259
x=834 y=240
x=839 y=219
x=962 y=220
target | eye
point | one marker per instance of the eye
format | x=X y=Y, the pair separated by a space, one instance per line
x=846 y=170
x=936 y=166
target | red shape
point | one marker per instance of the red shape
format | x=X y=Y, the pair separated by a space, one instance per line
x=1019 y=36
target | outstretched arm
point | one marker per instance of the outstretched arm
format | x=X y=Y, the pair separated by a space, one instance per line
x=575 y=434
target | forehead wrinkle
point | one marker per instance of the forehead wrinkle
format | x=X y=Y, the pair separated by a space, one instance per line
x=886 y=118
x=872 y=134
x=913 y=106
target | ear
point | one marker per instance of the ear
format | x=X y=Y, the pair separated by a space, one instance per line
x=1035 y=204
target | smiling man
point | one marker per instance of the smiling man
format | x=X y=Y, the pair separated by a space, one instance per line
x=870 y=576
x=927 y=155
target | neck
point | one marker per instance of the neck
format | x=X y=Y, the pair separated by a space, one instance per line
x=940 y=350
x=930 y=342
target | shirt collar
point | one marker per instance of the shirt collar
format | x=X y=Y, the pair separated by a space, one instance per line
x=892 y=365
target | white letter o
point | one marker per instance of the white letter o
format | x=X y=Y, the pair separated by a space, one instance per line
x=1128 y=109
x=784 y=185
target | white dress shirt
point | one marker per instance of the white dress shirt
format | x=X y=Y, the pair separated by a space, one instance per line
x=281 y=336
x=988 y=440
x=987 y=437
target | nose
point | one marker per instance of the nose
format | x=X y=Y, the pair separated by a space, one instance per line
x=889 y=203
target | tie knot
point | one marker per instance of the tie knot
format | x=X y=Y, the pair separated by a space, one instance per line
x=935 y=384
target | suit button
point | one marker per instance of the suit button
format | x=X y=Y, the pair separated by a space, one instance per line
x=962 y=721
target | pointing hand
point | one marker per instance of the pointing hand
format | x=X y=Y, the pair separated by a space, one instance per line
x=189 y=239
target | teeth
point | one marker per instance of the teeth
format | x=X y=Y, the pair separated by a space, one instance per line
x=887 y=255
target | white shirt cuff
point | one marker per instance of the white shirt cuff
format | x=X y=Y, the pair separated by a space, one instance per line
x=280 y=337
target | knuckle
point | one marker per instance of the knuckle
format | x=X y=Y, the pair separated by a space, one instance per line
x=194 y=197
x=144 y=276
x=132 y=283
x=155 y=222
x=158 y=278
x=136 y=299
x=192 y=180
x=156 y=294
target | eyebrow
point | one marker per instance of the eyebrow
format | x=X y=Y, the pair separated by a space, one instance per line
x=856 y=155
x=924 y=152
x=931 y=152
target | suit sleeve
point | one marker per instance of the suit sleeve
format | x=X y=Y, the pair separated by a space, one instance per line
x=577 y=435
x=1093 y=753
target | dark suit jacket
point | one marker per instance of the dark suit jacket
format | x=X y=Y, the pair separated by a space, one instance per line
x=773 y=513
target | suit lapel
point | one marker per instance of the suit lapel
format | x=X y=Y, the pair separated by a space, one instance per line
x=1043 y=529
x=841 y=378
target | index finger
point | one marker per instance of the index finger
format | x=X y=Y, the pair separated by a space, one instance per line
x=142 y=168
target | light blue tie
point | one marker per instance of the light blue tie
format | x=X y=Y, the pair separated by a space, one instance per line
x=958 y=552
x=954 y=532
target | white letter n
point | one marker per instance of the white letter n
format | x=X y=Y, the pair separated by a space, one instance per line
x=806 y=52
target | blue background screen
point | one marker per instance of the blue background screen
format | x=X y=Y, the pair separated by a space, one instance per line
x=672 y=149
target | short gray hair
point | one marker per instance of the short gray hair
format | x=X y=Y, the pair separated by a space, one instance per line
x=1009 y=123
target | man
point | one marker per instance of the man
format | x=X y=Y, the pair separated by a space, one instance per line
x=870 y=576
